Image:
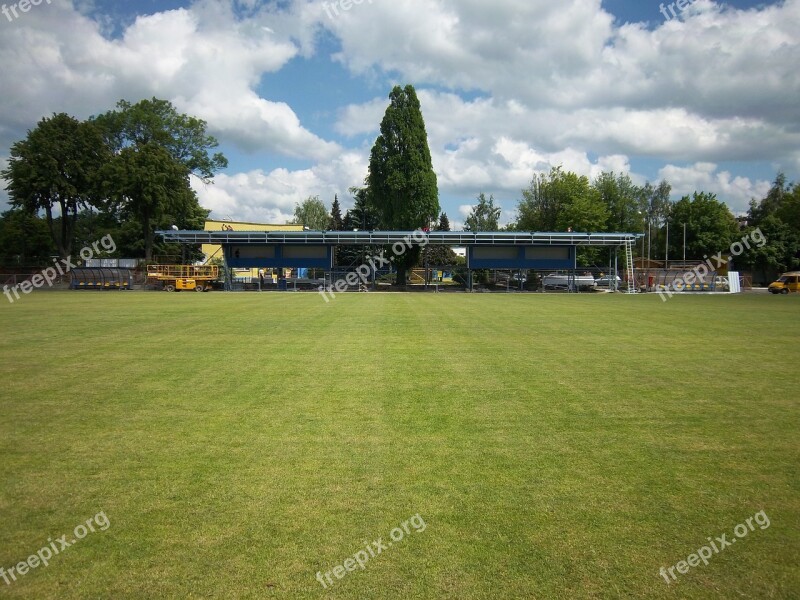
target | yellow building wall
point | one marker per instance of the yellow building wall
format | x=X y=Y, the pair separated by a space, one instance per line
x=215 y=251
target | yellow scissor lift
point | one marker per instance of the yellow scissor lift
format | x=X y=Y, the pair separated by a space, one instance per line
x=174 y=278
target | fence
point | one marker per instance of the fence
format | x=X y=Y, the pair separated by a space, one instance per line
x=13 y=279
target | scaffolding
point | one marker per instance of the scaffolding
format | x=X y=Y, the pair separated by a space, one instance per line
x=182 y=277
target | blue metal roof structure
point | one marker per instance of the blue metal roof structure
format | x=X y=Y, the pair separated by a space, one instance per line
x=516 y=250
x=417 y=238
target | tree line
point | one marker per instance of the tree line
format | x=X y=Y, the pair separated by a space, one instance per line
x=127 y=172
x=694 y=226
x=400 y=192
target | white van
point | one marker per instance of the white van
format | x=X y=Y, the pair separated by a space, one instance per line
x=558 y=281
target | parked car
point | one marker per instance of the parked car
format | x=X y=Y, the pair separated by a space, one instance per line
x=570 y=282
x=608 y=281
x=788 y=282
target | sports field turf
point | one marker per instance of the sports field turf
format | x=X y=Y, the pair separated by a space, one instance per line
x=554 y=446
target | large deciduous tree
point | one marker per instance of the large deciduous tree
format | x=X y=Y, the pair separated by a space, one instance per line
x=561 y=200
x=655 y=206
x=789 y=211
x=777 y=216
x=25 y=239
x=401 y=184
x=54 y=170
x=156 y=151
x=621 y=197
x=312 y=213
x=144 y=183
x=710 y=226
x=157 y=122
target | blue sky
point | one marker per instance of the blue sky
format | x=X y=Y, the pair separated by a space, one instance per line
x=295 y=90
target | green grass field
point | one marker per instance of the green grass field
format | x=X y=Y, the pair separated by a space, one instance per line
x=555 y=446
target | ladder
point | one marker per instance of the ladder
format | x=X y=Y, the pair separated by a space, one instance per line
x=629 y=266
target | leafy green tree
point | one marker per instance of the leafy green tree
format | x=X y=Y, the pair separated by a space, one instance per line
x=710 y=226
x=563 y=201
x=444 y=223
x=484 y=216
x=777 y=216
x=779 y=253
x=91 y=225
x=311 y=213
x=144 y=183
x=25 y=239
x=559 y=201
x=620 y=196
x=772 y=202
x=401 y=184
x=586 y=212
x=157 y=122
x=789 y=210
x=156 y=151
x=189 y=215
x=541 y=206
x=655 y=206
x=655 y=203
x=56 y=167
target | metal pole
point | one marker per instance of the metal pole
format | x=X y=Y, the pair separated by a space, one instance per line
x=647 y=283
x=684 y=243
x=424 y=250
